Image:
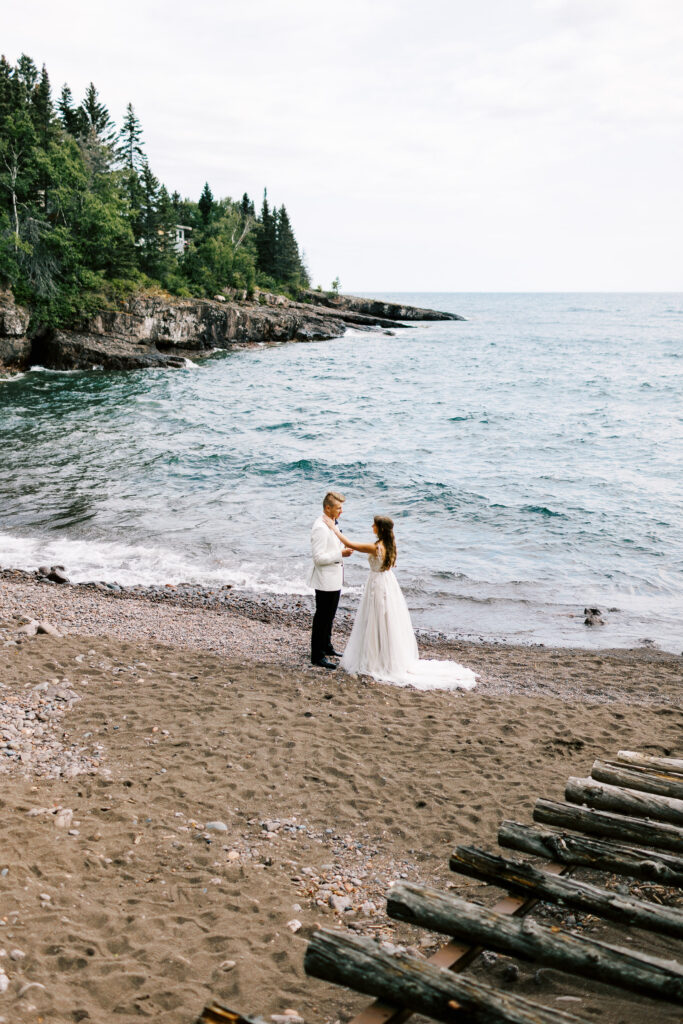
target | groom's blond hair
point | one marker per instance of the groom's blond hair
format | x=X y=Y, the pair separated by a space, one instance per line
x=333 y=498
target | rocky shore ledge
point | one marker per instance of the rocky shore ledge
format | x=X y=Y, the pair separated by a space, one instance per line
x=162 y=331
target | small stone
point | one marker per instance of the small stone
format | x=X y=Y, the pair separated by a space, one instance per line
x=64 y=818
x=216 y=826
x=286 y=1018
x=233 y=855
x=45 y=897
x=340 y=903
x=294 y=925
x=4 y=982
x=16 y=954
x=48 y=629
x=57 y=575
x=228 y=965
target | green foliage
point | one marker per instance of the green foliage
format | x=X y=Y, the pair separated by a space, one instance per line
x=84 y=222
x=130 y=146
x=206 y=205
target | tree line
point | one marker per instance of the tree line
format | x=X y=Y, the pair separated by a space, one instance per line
x=84 y=222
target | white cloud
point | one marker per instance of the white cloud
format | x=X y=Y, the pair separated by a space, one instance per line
x=445 y=144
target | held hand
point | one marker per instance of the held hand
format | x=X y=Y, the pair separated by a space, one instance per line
x=330 y=523
x=346 y=552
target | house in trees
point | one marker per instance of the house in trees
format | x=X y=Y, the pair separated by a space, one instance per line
x=181 y=239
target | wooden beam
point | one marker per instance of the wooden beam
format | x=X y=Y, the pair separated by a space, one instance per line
x=667 y=764
x=525 y=938
x=456 y=956
x=363 y=965
x=667 y=869
x=215 y=1013
x=624 y=801
x=656 y=835
x=643 y=779
x=520 y=877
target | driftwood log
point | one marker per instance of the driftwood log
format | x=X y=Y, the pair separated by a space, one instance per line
x=215 y=1013
x=644 y=779
x=530 y=941
x=399 y=979
x=667 y=764
x=657 y=835
x=520 y=877
x=624 y=801
x=667 y=869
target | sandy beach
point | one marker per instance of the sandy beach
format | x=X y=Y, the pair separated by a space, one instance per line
x=185 y=800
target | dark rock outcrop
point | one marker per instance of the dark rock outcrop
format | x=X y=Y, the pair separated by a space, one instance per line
x=375 y=307
x=15 y=346
x=162 y=331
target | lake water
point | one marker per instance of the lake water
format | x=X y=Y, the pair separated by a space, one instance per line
x=531 y=457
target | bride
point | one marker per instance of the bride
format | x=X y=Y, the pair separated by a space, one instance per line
x=382 y=642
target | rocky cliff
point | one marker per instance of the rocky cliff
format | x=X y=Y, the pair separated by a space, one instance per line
x=164 y=331
x=15 y=346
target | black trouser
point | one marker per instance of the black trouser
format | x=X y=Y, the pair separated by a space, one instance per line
x=326 y=602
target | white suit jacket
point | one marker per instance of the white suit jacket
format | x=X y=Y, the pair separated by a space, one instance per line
x=327 y=572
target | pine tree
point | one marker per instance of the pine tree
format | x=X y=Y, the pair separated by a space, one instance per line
x=288 y=265
x=206 y=204
x=27 y=74
x=166 y=222
x=149 y=238
x=6 y=105
x=129 y=149
x=96 y=119
x=247 y=206
x=42 y=111
x=70 y=116
x=266 y=244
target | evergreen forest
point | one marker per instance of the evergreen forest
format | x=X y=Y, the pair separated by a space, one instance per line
x=85 y=223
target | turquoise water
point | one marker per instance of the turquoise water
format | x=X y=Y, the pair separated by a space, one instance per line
x=532 y=458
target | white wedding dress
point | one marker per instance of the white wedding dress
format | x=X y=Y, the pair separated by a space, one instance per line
x=382 y=642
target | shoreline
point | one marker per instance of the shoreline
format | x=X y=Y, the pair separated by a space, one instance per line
x=239 y=624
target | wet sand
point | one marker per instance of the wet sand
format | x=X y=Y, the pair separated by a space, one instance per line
x=222 y=791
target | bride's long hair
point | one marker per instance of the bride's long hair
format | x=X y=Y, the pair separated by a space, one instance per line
x=385 y=534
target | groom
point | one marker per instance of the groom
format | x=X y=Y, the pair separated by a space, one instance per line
x=326 y=577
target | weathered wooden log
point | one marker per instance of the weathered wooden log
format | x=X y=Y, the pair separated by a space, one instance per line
x=567 y=848
x=645 y=780
x=527 y=939
x=624 y=801
x=216 y=1013
x=667 y=764
x=656 y=835
x=519 y=877
x=402 y=980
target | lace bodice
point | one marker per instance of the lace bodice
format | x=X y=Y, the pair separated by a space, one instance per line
x=375 y=561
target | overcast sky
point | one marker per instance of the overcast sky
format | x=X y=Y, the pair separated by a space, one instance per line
x=439 y=145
